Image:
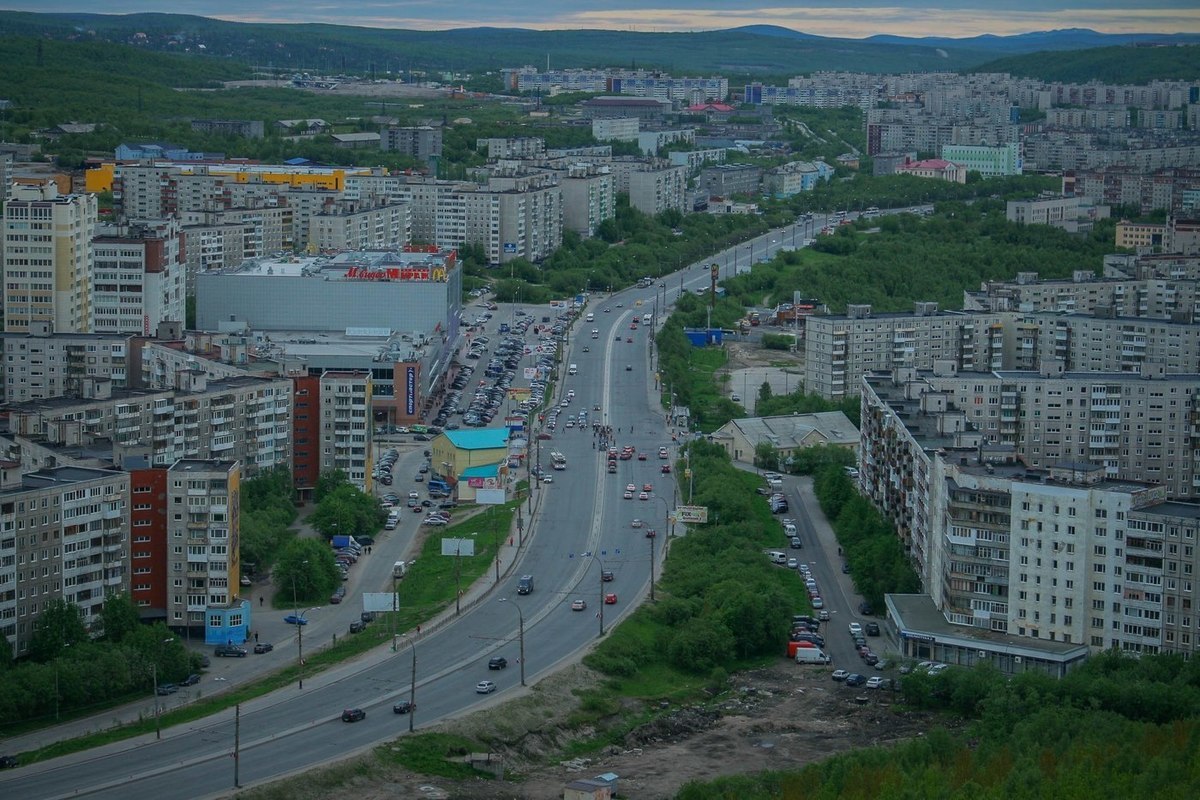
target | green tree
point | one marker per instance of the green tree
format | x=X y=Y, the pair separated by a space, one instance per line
x=766 y=456
x=327 y=482
x=118 y=617
x=60 y=626
x=305 y=572
x=764 y=393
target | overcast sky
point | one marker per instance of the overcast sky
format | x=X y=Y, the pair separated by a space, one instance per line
x=854 y=19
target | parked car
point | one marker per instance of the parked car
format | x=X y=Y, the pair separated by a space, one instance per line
x=840 y=675
x=263 y=647
x=229 y=651
x=190 y=680
x=8 y=762
x=167 y=688
x=872 y=628
x=353 y=715
x=854 y=679
x=358 y=626
x=497 y=662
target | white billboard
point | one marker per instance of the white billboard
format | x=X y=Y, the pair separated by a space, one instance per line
x=380 y=602
x=696 y=515
x=490 y=497
x=458 y=547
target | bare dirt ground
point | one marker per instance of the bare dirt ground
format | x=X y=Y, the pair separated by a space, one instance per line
x=778 y=718
x=390 y=89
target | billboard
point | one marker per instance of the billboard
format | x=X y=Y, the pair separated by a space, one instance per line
x=458 y=547
x=410 y=390
x=380 y=602
x=490 y=497
x=696 y=515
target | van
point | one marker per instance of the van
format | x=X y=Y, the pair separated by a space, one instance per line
x=525 y=584
x=811 y=655
x=777 y=557
x=571 y=370
x=647 y=319
x=789 y=530
x=399 y=569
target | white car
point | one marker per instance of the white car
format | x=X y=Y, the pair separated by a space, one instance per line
x=485 y=687
x=629 y=487
x=840 y=675
x=637 y=523
x=791 y=563
x=855 y=629
x=875 y=682
x=548 y=479
x=628 y=495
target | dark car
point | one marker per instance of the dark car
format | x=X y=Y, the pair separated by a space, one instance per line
x=230 y=651
x=8 y=762
x=864 y=608
x=854 y=679
x=606 y=575
x=167 y=688
x=872 y=628
x=497 y=662
x=263 y=647
x=295 y=619
x=357 y=627
x=190 y=680
x=403 y=707
x=367 y=616
x=337 y=595
x=353 y=715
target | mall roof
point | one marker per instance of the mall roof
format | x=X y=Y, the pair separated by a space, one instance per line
x=482 y=439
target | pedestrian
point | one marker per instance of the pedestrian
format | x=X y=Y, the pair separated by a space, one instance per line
x=256 y=637
x=260 y=601
x=418 y=629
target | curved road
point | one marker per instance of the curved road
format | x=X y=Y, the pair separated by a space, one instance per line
x=583 y=525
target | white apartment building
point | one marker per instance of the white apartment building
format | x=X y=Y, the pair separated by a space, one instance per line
x=619 y=129
x=589 y=197
x=1085 y=294
x=41 y=364
x=650 y=142
x=48 y=259
x=64 y=534
x=341 y=227
x=654 y=188
x=1024 y=564
x=138 y=278
x=203 y=559
x=346 y=424
x=522 y=147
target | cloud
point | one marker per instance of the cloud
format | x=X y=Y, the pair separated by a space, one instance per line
x=856 y=19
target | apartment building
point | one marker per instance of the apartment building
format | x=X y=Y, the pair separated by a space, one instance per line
x=247 y=419
x=6 y=180
x=620 y=129
x=245 y=128
x=138 y=277
x=346 y=424
x=650 y=142
x=522 y=147
x=149 y=580
x=203 y=556
x=727 y=180
x=589 y=197
x=795 y=177
x=1047 y=557
x=1085 y=294
x=360 y=226
x=1071 y=214
x=306 y=433
x=695 y=160
x=654 y=188
x=48 y=259
x=422 y=142
x=40 y=364
x=1172 y=190
x=64 y=534
x=639 y=83
x=840 y=349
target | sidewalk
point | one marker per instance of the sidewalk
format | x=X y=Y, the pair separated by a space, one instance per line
x=227 y=673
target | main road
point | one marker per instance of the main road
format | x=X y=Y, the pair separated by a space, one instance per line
x=583 y=526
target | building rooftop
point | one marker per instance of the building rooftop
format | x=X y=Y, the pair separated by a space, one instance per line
x=481 y=439
x=203 y=465
x=482 y=471
x=57 y=476
x=1174 y=509
x=796 y=430
x=384 y=266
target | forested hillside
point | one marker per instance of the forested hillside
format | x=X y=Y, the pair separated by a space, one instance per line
x=1111 y=64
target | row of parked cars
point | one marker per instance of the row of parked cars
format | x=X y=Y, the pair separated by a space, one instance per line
x=383 y=468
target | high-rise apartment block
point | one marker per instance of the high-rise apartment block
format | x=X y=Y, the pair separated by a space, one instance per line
x=138 y=278
x=203 y=551
x=41 y=364
x=346 y=424
x=48 y=259
x=422 y=142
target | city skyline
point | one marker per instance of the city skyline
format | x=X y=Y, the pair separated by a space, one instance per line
x=960 y=18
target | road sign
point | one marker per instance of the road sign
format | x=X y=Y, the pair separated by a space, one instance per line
x=510 y=247
x=693 y=514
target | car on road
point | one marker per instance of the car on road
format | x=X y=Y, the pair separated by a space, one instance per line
x=190 y=680
x=662 y=453
x=547 y=479
x=606 y=575
x=823 y=616
x=295 y=619
x=8 y=762
x=263 y=647
x=403 y=707
x=353 y=715
x=166 y=689
x=610 y=599
x=817 y=602
x=666 y=469
x=855 y=629
x=650 y=533
x=485 y=687
x=578 y=605
x=840 y=675
x=854 y=679
x=872 y=629
x=629 y=487
x=643 y=496
x=229 y=651
x=637 y=523
x=497 y=662
x=628 y=495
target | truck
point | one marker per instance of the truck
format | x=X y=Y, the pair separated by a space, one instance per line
x=811 y=655
x=794 y=647
x=342 y=542
x=755 y=320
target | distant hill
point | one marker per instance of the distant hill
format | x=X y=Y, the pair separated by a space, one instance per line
x=1063 y=39
x=1116 y=64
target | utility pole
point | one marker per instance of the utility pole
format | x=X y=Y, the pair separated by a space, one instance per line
x=457 y=580
x=412 y=687
x=651 y=540
x=237 y=742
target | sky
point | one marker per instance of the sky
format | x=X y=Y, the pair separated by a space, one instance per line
x=855 y=19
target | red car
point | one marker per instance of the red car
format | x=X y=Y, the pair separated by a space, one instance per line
x=610 y=599
x=666 y=469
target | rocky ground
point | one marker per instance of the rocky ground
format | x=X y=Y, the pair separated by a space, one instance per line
x=779 y=718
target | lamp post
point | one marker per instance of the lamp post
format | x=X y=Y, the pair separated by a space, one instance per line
x=600 y=561
x=520 y=637
x=157 y=707
x=412 y=686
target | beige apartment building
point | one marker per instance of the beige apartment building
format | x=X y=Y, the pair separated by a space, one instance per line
x=138 y=277
x=361 y=226
x=588 y=197
x=203 y=559
x=346 y=424
x=1173 y=298
x=654 y=189
x=48 y=259
x=245 y=419
x=64 y=534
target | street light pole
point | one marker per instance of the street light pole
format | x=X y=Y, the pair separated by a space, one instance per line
x=600 y=561
x=520 y=637
x=412 y=686
x=157 y=723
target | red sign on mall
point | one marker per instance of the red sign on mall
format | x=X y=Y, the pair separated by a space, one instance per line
x=390 y=274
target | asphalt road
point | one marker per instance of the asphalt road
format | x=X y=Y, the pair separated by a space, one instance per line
x=582 y=526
